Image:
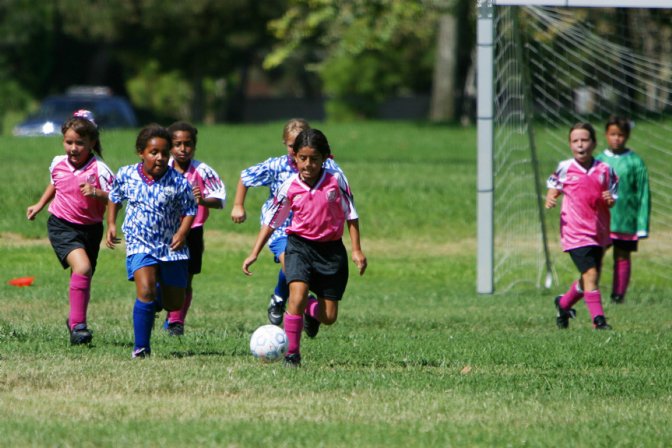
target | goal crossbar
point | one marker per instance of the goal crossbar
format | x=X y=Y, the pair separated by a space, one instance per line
x=586 y=3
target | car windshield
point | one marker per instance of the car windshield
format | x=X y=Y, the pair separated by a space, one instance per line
x=60 y=109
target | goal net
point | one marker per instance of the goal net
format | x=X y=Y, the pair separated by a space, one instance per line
x=552 y=68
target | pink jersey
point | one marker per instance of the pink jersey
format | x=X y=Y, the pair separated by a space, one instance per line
x=318 y=213
x=210 y=184
x=584 y=216
x=69 y=203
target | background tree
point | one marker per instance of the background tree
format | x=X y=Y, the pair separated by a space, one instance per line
x=370 y=50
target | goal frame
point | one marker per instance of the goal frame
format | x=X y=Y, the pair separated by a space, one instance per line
x=485 y=45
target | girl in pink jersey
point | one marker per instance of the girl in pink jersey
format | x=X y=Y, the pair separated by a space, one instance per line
x=315 y=258
x=589 y=187
x=209 y=192
x=78 y=193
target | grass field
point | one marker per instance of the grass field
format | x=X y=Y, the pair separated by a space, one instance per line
x=416 y=358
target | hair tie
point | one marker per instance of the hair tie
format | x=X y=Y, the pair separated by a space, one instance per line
x=86 y=114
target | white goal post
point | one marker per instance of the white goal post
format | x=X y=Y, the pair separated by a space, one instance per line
x=486 y=43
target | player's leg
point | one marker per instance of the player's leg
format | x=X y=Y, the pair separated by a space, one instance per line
x=278 y=301
x=176 y=319
x=79 y=296
x=590 y=278
x=144 y=271
x=174 y=278
x=293 y=322
x=77 y=248
x=622 y=269
x=328 y=282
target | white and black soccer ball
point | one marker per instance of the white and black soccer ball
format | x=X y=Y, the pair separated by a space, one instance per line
x=269 y=343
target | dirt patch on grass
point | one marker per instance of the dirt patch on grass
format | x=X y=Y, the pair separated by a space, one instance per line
x=244 y=242
x=11 y=239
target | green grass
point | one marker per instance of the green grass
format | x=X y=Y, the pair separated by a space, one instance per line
x=415 y=359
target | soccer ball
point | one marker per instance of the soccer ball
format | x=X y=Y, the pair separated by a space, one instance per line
x=269 y=343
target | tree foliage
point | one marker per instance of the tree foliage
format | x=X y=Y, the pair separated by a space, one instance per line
x=362 y=50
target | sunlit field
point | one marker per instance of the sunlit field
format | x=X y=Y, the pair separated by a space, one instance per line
x=416 y=358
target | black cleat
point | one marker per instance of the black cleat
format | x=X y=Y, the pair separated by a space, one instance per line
x=600 y=323
x=563 y=315
x=311 y=326
x=175 y=329
x=617 y=298
x=79 y=334
x=276 y=309
x=293 y=360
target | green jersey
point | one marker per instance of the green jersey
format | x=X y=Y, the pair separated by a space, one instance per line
x=630 y=214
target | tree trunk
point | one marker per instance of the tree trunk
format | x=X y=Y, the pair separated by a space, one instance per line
x=443 y=90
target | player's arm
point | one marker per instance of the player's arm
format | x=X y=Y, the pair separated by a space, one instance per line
x=91 y=191
x=358 y=256
x=552 y=197
x=111 y=238
x=238 y=214
x=47 y=196
x=180 y=237
x=262 y=239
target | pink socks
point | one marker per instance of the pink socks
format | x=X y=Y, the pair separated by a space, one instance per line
x=80 y=294
x=593 y=301
x=311 y=308
x=181 y=314
x=573 y=295
x=293 y=329
x=621 y=277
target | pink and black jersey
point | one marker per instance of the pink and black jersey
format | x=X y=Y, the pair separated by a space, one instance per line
x=319 y=213
x=69 y=203
x=584 y=216
x=210 y=184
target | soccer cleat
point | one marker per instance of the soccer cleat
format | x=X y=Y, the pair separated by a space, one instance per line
x=79 y=334
x=600 y=323
x=563 y=315
x=293 y=360
x=141 y=352
x=617 y=298
x=310 y=325
x=175 y=329
x=276 y=309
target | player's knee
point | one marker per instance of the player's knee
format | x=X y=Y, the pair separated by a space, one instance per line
x=146 y=293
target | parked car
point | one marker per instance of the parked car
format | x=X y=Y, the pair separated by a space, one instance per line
x=109 y=110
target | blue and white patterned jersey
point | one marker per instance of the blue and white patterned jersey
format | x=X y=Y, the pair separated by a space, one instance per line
x=154 y=212
x=272 y=173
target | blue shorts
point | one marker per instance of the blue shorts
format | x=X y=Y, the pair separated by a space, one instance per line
x=171 y=273
x=278 y=247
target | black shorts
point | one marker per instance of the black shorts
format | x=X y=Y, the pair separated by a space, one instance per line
x=587 y=257
x=322 y=265
x=630 y=246
x=196 y=248
x=66 y=237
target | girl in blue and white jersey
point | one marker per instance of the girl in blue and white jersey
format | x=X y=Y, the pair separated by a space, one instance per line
x=161 y=208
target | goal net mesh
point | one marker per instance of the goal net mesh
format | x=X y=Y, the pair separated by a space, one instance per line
x=552 y=68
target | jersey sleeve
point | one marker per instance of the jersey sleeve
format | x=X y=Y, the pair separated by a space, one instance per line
x=278 y=212
x=613 y=183
x=348 y=198
x=55 y=161
x=555 y=180
x=213 y=187
x=644 y=212
x=259 y=175
x=117 y=190
x=105 y=176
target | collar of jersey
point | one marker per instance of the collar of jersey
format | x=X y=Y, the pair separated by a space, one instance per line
x=144 y=177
